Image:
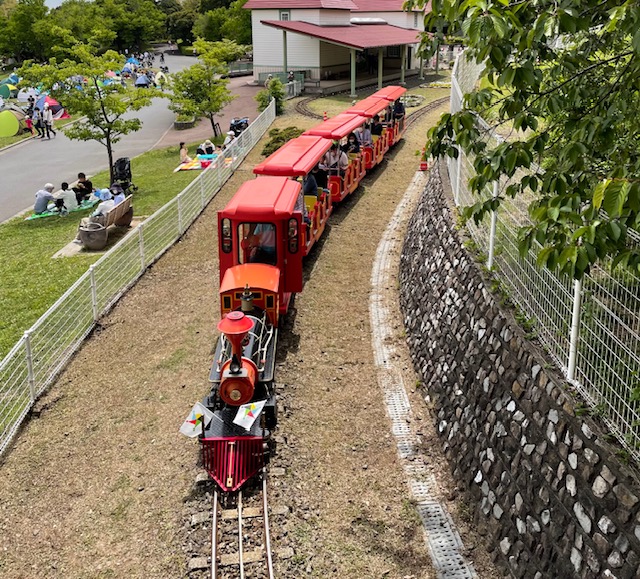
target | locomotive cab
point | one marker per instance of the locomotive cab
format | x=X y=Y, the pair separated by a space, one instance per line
x=260 y=245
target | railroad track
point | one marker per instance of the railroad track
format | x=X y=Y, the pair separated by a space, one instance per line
x=303 y=109
x=238 y=549
x=415 y=116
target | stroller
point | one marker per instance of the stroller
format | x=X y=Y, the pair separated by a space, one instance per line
x=122 y=176
x=239 y=124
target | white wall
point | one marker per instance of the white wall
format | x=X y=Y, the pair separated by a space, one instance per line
x=302 y=51
x=401 y=19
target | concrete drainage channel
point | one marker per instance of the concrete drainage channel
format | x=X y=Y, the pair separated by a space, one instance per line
x=443 y=539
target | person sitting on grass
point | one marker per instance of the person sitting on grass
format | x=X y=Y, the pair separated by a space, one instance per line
x=66 y=199
x=83 y=188
x=42 y=199
x=184 y=154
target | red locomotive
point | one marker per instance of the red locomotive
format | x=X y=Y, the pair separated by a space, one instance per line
x=264 y=233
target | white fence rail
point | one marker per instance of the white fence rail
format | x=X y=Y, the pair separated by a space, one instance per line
x=590 y=328
x=44 y=350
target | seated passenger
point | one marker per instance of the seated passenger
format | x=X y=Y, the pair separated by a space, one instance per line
x=352 y=146
x=42 y=199
x=320 y=176
x=376 y=126
x=398 y=110
x=310 y=185
x=335 y=160
x=364 y=135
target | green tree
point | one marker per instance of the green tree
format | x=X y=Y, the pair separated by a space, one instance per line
x=233 y=23
x=20 y=39
x=135 y=22
x=86 y=22
x=275 y=90
x=101 y=108
x=180 y=24
x=200 y=90
x=563 y=79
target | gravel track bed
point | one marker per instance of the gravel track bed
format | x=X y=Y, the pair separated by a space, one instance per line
x=101 y=484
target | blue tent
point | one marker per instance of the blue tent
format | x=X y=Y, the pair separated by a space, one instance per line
x=133 y=61
x=142 y=80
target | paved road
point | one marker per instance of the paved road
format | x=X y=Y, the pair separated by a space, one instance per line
x=27 y=167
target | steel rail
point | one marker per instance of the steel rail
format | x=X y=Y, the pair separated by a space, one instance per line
x=267 y=536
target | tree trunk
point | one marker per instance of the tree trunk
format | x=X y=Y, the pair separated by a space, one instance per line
x=110 y=155
x=213 y=125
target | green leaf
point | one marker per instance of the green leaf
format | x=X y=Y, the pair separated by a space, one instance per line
x=615 y=197
x=598 y=193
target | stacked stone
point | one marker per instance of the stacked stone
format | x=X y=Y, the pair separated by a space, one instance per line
x=551 y=495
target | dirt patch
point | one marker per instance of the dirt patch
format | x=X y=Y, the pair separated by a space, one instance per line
x=97 y=485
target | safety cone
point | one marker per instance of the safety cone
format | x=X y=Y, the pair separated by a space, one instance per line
x=324 y=116
x=424 y=165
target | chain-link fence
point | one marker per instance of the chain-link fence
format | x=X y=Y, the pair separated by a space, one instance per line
x=590 y=328
x=44 y=350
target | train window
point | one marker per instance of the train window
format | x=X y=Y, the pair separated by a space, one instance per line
x=269 y=301
x=226 y=302
x=226 y=235
x=293 y=235
x=258 y=243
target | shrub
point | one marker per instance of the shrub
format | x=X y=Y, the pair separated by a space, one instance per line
x=279 y=137
x=276 y=91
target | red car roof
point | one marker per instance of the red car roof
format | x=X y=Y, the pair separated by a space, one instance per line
x=337 y=127
x=391 y=93
x=295 y=158
x=263 y=199
x=368 y=107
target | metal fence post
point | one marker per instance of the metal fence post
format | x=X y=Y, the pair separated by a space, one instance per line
x=492 y=232
x=141 y=247
x=30 y=375
x=179 y=213
x=575 y=330
x=94 y=292
x=456 y=191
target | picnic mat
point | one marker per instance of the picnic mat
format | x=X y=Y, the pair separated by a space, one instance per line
x=200 y=162
x=87 y=204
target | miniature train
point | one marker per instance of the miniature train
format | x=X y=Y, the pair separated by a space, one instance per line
x=265 y=232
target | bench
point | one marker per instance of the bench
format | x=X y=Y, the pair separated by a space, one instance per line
x=94 y=235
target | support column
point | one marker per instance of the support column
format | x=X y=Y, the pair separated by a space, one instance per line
x=285 y=66
x=421 y=68
x=403 y=64
x=353 y=73
x=380 y=61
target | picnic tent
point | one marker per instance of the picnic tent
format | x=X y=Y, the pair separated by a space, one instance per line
x=133 y=60
x=142 y=80
x=25 y=93
x=11 y=121
x=11 y=79
x=56 y=108
x=8 y=90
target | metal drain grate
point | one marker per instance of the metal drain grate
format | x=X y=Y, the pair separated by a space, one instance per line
x=443 y=539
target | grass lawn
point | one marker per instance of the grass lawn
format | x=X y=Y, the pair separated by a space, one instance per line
x=30 y=281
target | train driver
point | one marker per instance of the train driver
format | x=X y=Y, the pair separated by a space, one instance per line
x=260 y=244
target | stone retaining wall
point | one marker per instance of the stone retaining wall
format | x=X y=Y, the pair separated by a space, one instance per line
x=546 y=489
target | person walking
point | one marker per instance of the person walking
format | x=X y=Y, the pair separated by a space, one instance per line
x=37 y=122
x=47 y=117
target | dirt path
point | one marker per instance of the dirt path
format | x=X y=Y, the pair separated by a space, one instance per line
x=95 y=486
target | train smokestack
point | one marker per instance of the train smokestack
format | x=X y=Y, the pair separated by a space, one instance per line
x=235 y=326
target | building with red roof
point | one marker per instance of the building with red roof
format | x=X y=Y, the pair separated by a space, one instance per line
x=333 y=40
